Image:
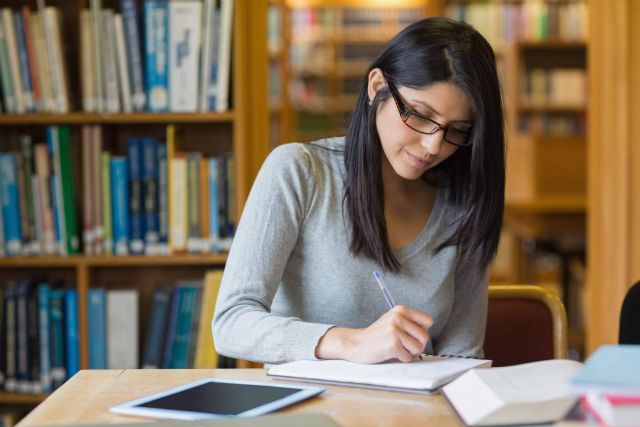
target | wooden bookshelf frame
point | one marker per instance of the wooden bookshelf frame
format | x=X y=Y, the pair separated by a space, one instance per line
x=248 y=120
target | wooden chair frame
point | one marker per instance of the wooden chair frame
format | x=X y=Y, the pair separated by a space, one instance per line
x=547 y=297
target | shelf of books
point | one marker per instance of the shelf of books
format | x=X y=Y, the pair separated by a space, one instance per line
x=330 y=46
x=124 y=165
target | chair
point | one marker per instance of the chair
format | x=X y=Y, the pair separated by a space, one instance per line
x=630 y=317
x=525 y=323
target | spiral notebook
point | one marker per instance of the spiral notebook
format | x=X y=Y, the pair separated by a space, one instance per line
x=424 y=375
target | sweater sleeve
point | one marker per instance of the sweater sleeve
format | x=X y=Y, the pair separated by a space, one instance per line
x=243 y=326
x=463 y=334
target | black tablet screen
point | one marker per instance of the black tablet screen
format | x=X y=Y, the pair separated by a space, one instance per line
x=220 y=398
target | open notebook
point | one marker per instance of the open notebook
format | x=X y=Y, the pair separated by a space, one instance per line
x=421 y=376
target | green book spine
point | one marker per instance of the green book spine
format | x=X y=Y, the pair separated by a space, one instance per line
x=68 y=191
x=105 y=159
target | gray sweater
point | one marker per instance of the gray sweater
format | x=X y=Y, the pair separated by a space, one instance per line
x=290 y=276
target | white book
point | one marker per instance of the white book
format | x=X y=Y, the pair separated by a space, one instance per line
x=14 y=60
x=89 y=104
x=531 y=393
x=178 y=205
x=51 y=19
x=184 y=54
x=224 y=55
x=123 y=67
x=423 y=375
x=110 y=69
x=122 y=329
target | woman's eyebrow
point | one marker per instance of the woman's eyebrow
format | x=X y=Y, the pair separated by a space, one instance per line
x=433 y=110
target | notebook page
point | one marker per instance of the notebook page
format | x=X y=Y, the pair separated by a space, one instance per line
x=420 y=375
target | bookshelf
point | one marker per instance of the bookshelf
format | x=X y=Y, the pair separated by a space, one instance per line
x=330 y=46
x=277 y=42
x=208 y=132
x=541 y=52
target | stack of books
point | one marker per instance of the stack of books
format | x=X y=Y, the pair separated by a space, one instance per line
x=610 y=383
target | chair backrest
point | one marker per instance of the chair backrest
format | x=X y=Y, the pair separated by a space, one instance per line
x=525 y=323
x=630 y=317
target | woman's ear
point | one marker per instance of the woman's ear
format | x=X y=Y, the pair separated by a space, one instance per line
x=375 y=83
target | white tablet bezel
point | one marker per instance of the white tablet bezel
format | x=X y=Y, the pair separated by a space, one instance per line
x=131 y=408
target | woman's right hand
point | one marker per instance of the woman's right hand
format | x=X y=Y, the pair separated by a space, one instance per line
x=401 y=333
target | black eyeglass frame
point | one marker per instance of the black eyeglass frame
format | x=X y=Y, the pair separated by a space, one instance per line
x=406 y=112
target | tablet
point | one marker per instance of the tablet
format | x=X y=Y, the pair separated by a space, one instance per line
x=217 y=398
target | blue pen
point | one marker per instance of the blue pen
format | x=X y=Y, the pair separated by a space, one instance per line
x=383 y=288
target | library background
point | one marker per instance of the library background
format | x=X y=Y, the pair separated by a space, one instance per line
x=131 y=131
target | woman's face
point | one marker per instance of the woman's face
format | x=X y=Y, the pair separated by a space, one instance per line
x=411 y=153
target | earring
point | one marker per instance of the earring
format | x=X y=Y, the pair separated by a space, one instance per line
x=370 y=103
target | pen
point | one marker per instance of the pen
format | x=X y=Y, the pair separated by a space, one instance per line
x=383 y=288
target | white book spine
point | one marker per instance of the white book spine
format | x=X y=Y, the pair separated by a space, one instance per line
x=122 y=329
x=184 y=53
x=224 y=58
x=123 y=67
x=110 y=67
x=51 y=19
x=86 y=60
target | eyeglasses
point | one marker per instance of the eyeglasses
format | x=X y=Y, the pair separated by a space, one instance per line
x=425 y=125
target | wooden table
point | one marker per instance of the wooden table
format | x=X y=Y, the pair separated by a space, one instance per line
x=86 y=398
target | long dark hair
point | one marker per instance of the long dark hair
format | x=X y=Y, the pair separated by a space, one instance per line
x=428 y=51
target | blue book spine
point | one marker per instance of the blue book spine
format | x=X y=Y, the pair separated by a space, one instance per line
x=119 y=205
x=10 y=204
x=214 y=215
x=27 y=87
x=178 y=359
x=134 y=164
x=213 y=71
x=44 y=331
x=134 y=53
x=56 y=337
x=163 y=201
x=156 y=329
x=171 y=327
x=157 y=54
x=71 y=328
x=150 y=193
x=97 y=329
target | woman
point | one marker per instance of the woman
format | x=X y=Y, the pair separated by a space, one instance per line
x=415 y=190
